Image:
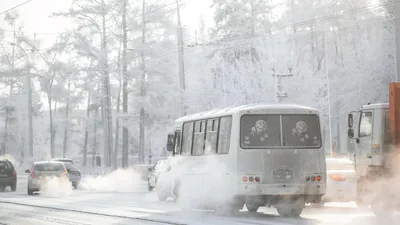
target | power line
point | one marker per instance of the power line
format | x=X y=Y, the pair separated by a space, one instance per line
x=168 y=54
x=15 y=7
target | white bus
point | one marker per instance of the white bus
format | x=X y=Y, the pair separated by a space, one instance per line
x=256 y=155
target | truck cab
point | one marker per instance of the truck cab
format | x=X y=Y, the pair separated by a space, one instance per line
x=370 y=128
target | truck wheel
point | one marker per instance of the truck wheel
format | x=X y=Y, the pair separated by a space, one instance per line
x=150 y=188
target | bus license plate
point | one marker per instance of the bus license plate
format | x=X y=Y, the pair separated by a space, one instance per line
x=283 y=174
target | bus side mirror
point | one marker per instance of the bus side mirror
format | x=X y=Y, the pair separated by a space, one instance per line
x=170 y=143
x=350 y=133
x=350 y=120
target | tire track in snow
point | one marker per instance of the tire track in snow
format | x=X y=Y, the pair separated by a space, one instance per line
x=48 y=218
x=161 y=221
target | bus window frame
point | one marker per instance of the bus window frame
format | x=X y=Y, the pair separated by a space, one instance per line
x=205 y=135
x=280 y=118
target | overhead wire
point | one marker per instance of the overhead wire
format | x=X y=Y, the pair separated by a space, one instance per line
x=283 y=27
x=12 y=8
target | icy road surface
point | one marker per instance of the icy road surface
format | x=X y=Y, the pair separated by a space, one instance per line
x=142 y=208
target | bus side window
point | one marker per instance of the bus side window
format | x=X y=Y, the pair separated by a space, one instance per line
x=187 y=138
x=224 y=134
x=211 y=136
x=198 y=139
x=177 y=148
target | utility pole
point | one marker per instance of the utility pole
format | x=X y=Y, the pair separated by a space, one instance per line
x=142 y=90
x=180 y=59
x=397 y=24
x=280 y=94
x=125 y=134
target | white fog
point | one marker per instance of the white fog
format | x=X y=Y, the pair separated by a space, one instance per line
x=275 y=112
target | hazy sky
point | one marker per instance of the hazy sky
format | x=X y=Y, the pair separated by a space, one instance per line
x=35 y=14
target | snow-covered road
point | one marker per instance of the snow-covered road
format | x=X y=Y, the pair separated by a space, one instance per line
x=138 y=206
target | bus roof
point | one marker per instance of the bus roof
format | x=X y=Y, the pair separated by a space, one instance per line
x=376 y=106
x=238 y=109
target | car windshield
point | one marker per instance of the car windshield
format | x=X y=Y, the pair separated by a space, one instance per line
x=49 y=167
x=339 y=164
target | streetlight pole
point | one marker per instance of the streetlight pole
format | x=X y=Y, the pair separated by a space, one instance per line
x=281 y=95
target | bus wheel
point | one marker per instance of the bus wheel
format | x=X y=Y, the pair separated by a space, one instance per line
x=289 y=210
x=252 y=207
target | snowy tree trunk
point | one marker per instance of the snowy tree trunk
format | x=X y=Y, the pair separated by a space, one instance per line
x=142 y=92
x=52 y=153
x=85 y=144
x=95 y=120
x=65 y=142
x=107 y=102
x=117 y=119
x=125 y=134
x=94 y=144
x=117 y=130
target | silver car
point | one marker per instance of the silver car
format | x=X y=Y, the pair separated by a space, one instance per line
x=41 y=171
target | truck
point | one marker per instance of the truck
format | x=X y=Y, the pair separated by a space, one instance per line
x=376 y=136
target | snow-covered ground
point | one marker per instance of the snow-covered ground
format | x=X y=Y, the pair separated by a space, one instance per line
x=130 y=203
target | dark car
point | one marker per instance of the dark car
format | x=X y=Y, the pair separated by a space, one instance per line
x=74 y=174
x=8 y=175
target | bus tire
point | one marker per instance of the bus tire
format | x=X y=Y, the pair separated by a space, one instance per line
x=289 y=211
x=252 y=207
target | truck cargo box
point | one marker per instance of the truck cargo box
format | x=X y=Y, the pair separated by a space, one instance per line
x=394 y=106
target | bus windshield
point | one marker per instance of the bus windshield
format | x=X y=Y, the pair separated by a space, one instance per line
x=280 y=131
